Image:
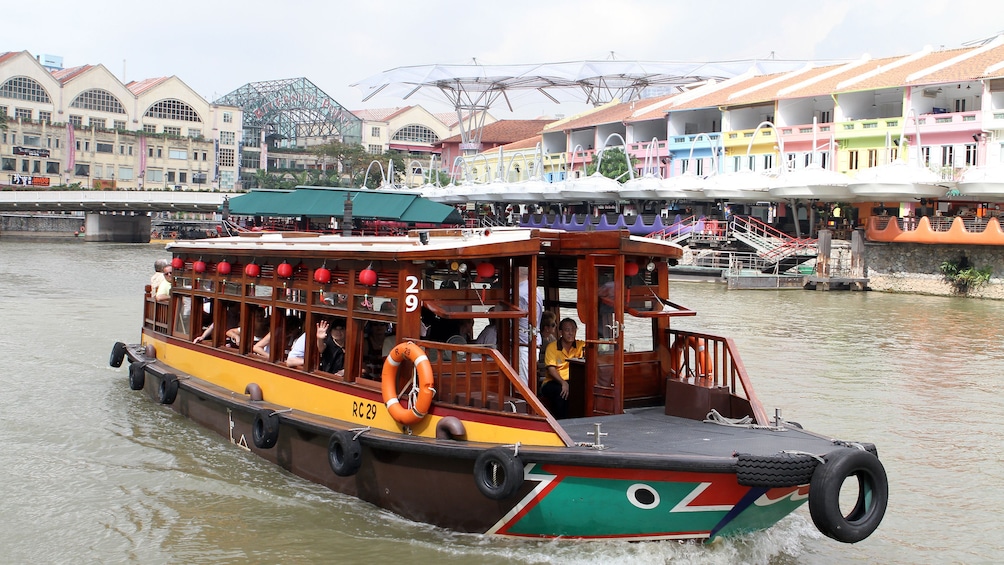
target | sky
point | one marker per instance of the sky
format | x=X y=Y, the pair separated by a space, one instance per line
x=218 y=46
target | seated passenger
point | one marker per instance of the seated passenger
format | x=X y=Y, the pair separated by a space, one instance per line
x=373 y=348
x=555 y=388
x=163 y=292
x=330 y=344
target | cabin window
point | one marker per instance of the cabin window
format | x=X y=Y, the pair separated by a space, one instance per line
x=294 y=295
x=182 y=316
x=232 y=288
x=260 y=291
x=335 y=300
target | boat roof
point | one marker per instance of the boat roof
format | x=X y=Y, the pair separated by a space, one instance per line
x=435 y=243
x=324 y=202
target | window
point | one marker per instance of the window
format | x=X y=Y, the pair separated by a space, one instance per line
x=119 y=125
x=36 y=167
x=893 y=154
x=104 y=147
x=168 y=130
x=125 y=173
x=960 y=105
x=374 y=149
x=10 y=164
x=129 y=150
x=416 y=133
x=227 y=138
x=170 y=177
x=173 y=109
x=121 y=149
x=80 y=170
x=872 y=157
x=22 y=114
x=98 y=99
x=374 y=132
x=98 y=123
x=52 y=167
x=177 y=154
x=45 y=117
x=149 y=128
x=149 y=151
x=182 y=177
x=226 y=179
x=852 y=160
x=87 y=145
x=77 y=121
x=24 y=165
x=228 y=117
x=155 y=175
x=947 y=156
x=3 y=111
x=226 y=157
x=24 y=88
x=203 y=155
x=32 y=141
x=160 y=152
x=97 y=172
x=194 y=132
x=925 y=153
x=971 y=155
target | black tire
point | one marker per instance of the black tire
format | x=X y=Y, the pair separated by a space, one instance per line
x=265 y=430
x=137 y=376
x=118 y=354
x=345 y=454
x=168 y=389
x=824 y=495
x=775 y=471
x=498 y=473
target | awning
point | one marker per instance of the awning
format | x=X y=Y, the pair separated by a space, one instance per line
x=319 y=202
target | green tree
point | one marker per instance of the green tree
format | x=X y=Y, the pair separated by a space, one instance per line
x=264 y=179
x=351 y=159
x=613 y=165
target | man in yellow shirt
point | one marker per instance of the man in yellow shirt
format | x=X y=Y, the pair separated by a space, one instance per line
x=556 y=356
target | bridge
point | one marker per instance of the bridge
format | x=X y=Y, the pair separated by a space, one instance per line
x=121 y=216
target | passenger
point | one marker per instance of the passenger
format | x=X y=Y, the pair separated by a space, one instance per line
x=261 y=345
x=163 y=292
x=332 y=349
x=373 y=347
x=524 y=323
x=548 y=334
x=490 y=334
x=158 y=276
x=555 y=387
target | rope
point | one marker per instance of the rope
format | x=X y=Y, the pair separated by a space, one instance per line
x=714 y=417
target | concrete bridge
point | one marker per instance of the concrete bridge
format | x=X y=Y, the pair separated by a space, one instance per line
x=121 y=216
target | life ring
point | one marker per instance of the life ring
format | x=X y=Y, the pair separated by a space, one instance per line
x=421 y=395
x=498 y=473
x=82 y=228
x=118 y=354
x=137 y=376
x=168 y=389
x=824 y=494
x=265 y=429
x=345 y=454
x=702 y=357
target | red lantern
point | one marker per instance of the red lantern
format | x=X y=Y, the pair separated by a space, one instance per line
x=322 y=275
x=252 y=270
x=199 y=266
x=631 y=268
x=223 y=268
x=178 y=263
x=284 y=270
x=367 y=277
x=486 y=270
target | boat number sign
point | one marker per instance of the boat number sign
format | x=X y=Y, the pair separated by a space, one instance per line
x=364 y=410
x=411 y=299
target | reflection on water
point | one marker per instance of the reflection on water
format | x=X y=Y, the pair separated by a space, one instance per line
x=123 y=479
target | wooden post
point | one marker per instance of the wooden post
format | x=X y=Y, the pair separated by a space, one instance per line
x=823 y=248
x=858 y=259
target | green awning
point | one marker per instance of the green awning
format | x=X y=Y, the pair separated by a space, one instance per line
x=316 y=202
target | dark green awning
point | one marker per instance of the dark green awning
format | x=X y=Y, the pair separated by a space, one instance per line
x=316 y=202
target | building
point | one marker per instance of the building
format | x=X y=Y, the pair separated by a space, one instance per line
x=82 y=126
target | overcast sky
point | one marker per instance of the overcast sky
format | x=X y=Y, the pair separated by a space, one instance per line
x=216 y=47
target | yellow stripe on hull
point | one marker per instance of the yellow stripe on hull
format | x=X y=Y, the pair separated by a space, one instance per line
x=321 y=401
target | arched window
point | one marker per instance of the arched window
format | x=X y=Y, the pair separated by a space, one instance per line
x=415 y=133
x=24 y=88
x=98 y=99
x=172 y=109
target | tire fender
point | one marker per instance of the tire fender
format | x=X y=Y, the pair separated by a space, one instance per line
x=345 y=454
x=824 y=495
x=168 y=389
x=118 y=354
x=265 y=429
x=137 y=376
x=498 y=473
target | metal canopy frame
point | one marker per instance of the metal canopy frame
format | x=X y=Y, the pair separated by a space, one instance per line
x=291 y=109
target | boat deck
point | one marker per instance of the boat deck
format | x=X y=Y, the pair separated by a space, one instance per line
x=651 y=431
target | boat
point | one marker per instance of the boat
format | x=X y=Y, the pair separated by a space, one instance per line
x=664 y=436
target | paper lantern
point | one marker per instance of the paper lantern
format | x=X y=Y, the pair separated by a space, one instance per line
x=322 y=275
x=284 y=270
x=367 y=277
x=199 y=266
x=631 y=268
x=252 y=270
x=223 y=268
x=178 y=263
x=486 y=270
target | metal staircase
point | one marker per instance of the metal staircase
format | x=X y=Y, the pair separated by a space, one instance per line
x=777 y=249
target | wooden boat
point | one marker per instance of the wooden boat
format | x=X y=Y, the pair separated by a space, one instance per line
x=665 y=437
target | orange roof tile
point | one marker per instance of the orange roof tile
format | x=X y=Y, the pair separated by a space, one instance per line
x=506 y=131
x=141 y=86
x=66 y=75
x=528 y=143
x=720 y=97
x=983 y=63
x=603 y=115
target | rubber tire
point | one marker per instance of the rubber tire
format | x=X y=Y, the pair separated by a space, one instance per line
x=265 y=429
x=168 y=389
x=137 y=376
x=824 y=495
x=490 y=465
x=775 y=471
x=118 y=354
x=345 y=454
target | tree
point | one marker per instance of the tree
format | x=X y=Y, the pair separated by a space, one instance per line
x=613 y=165
x=263 y=179
x=351 y=159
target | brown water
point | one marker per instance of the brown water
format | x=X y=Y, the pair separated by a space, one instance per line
x=96 y=473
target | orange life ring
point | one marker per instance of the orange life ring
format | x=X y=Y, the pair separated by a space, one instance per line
x=702 y=357
x=83 y=228
x=420 y=396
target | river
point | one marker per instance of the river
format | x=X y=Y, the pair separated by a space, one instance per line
x=96 y=473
